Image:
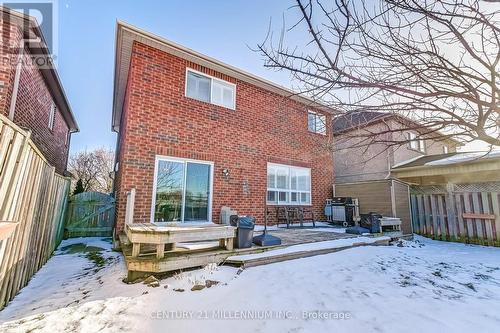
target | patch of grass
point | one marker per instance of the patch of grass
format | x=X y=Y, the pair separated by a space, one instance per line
x=96 y=258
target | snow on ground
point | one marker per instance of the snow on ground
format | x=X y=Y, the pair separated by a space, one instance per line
x=422 y=285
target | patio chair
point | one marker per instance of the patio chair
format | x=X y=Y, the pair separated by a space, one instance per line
x=282 y=215
x=307 y=215
x=288 y=215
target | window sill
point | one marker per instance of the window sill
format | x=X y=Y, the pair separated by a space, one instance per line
x=317 y=133
x=210 y=103
x=287 y=204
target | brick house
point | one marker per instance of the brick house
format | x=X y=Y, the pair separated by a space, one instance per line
x=364 y=172
x=32 y=96
x=195 y=135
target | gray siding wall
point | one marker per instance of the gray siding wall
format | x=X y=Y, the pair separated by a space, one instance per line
x=374 y=162
x=376 y=196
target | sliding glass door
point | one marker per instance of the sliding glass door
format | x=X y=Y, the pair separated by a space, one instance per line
x=197 y=192
x=182 y=191
x=169 y=191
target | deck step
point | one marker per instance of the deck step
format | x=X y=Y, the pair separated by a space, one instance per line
x=301 y=251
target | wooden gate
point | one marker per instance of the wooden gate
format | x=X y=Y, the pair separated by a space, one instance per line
x=90 y=214
x=468 y=213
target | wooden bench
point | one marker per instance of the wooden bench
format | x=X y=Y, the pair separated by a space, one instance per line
x=392 y=222
x=165 y=238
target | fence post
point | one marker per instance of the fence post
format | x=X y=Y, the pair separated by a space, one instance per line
x=450 y=211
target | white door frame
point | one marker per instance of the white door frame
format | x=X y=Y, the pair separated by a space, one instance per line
x=185 y=161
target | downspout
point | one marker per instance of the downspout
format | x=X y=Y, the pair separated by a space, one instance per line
x=17 y=77
x=393 y=199
x=390 y=156
x=69 y=135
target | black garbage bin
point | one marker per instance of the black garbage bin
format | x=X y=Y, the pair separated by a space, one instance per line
x=244 y=232
x=371 y=221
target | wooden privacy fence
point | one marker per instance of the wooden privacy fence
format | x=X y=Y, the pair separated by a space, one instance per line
x=90 y=214
x=33 y=200
x=468 y=213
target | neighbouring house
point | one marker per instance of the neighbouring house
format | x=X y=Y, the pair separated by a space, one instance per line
x=195 y=134
x=363 y=166
x=32 y=96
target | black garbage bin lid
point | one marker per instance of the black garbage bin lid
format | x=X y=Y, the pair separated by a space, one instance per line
x=246 y=222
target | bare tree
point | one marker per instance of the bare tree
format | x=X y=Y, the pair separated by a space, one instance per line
x=93 y=168
x=433 y=63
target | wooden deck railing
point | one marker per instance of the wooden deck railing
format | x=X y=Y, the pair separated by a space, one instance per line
x=33 y=202
x=129 y=208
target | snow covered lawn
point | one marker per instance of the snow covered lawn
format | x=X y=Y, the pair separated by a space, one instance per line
x=424 y=286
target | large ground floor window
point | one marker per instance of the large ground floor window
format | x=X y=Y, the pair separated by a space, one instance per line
x=288 y=185
x=182 y=190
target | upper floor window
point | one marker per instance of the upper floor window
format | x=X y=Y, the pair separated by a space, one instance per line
x=445 y=149
x=316 y=122
x=416 y=144
x=210 y=89
x=52 y=114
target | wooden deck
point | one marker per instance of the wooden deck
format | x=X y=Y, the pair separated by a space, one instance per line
x=167 y=238
x=196 y=254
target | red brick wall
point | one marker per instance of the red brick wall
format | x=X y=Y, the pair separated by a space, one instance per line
x=265 y=127
x=11 y=35
x=33 y=106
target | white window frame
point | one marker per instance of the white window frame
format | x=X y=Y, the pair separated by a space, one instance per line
x=212 y=79
x=316 y=116
x=289 y=189
x=415 y=143
x=421 y=145
x=52 y=115
x=446 y=150
x=159 y=158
